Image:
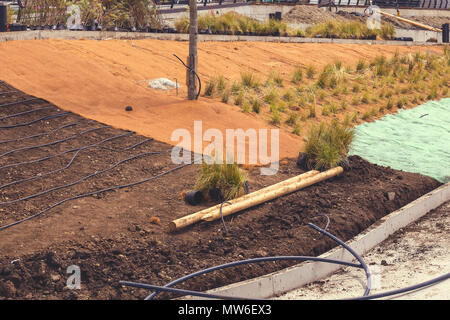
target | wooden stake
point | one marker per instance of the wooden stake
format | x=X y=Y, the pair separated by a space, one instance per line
x=196 y=217
x=414 y=23
x=260 y=198
x=192 y=58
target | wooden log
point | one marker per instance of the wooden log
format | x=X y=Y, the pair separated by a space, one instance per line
x=197 y=216
x=414 y=23
x=260 y=198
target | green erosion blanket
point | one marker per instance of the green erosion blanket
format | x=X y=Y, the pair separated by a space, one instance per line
x=414 y=140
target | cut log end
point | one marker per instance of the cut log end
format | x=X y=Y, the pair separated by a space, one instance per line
x=172 y=226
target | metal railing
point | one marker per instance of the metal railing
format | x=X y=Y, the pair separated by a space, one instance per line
x=424 y=4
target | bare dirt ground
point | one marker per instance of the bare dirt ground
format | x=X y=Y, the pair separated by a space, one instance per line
x=98 y=79
x=412 y=255
x=313 y=15
x=110 y=234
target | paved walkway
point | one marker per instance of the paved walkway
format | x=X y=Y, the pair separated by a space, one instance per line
x=412 y=255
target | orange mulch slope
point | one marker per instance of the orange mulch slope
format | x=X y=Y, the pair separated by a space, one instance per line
x=98 y=79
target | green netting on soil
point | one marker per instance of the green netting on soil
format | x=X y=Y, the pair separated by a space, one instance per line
x=414 y=140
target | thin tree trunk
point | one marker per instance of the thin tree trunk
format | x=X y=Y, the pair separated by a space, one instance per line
x=192 y=59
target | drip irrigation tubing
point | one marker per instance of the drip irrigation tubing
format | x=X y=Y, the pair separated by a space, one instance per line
x=64 y=152
x=421 y=285
x=40 y=134
x=168 y=287
x=366 y=296
x=352 y=252
x=54 y=142
x=83 y=195
x=79 y=180
x=42 y=175
x=19 y=102
x=53 y=116
x=195 y=73
x=8 y=92
x=26 y=112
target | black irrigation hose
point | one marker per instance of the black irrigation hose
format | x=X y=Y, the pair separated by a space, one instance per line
x=42 y=175
x=7 y=92
x=406 y=289
x=53 y=116
x=326 y=226
x=26 y=112
x=195 y=73
x=79 y=180
x=19 y=102
x=221 y=215
x=40 y=134
x=91 y=194
x=179 y=291
x=64 y=152
x=353 y=253
x=54 y=142
x=168 y=287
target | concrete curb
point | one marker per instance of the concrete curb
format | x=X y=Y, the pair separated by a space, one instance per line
x=288 y=279
x=110 y=35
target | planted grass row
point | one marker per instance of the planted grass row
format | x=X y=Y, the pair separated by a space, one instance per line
x=233 y=23
x=375 y=86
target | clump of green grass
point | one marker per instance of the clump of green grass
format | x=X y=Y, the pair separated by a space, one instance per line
x=210 y=88
x=288 y=96
x=292 y=119
x=390 y=104
x=297 y=77
x=433 y=92
x=275 y=119
x=327 y=144
x=387 y=31
x=366 y=115
x=235 y=88
x=226 y=95
x=350 y=118
x=402 y=102
x=312 y=111
x=341 y=29
x=365 y=98
x=239 y=99
x=246 y=107
x=296 y=129
x=220 y=84
x=225 y=177
x=310 y=72
x=248 y=80
x=271 y=96
x=381 y=66
x=256 y=105
x=361 y=66
x=275 y=78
